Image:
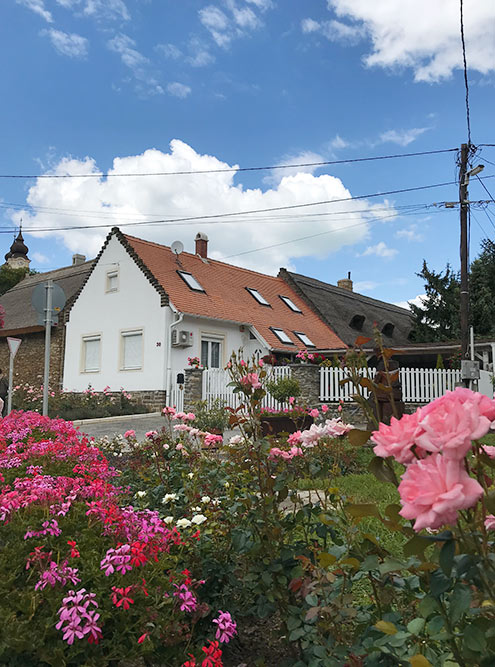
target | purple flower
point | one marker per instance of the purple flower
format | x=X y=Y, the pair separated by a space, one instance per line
x=226 y=627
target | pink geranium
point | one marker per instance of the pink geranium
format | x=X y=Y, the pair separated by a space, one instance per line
x=433 y=489
x=452 y=421
x=398 y=438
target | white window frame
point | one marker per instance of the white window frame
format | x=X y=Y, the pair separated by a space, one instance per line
x=256 y=294
x=284 y=333
x=124 y=333
x=301 y=335
x=290 y=304
x=193 y=284
x=213 y=338
x=114 y=273
x=87 y=338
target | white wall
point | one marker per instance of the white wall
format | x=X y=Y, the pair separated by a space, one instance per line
x=135 y=305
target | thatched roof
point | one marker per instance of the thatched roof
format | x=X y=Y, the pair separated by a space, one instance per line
x=350 y=314
x=20 y=316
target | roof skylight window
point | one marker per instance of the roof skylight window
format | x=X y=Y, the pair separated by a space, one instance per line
x=190 y=281
x=282 y=336
x=304 y=339
x=291 y=304
x=260 y=299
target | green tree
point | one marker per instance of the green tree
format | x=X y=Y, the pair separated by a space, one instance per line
x=10 y=277
x=482 y=290
x=438 y=318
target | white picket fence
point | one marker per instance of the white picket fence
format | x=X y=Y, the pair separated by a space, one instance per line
x=215 y=381
x=177 y=399
x=419 y=385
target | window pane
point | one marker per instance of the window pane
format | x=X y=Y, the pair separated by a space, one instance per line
x=305 y=339
x=282 y=336
x=204 y=353
x=112 y=281
x=191 y=281
x=257 y=296
x=291 y=304
x=133 y=350
x=92 y=355
x=215 y=355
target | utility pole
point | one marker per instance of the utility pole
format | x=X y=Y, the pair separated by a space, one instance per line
x=48 y=334
x=464 y=301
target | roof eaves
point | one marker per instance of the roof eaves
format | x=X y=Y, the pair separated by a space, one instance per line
x=140 y=263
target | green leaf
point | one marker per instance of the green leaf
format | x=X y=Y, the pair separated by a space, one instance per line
x=357 y=437
x=419 y=660
x=435 y=625
x=381 y=471
x=360 y=510
x=415 y=546
x=474 y=638
x=415 y=627
x=439 y=583
x=326 y=559
x=459 y=602
x=311 y=600
x=446 y=558
x=293 y=622
x=296 y=634
x=390 y=565
x=427 y=606
x=386 y=627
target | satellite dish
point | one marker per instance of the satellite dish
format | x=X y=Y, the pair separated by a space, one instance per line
x=177 y=247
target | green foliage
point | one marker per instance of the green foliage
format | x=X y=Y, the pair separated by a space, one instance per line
x=283 y=388
x=9 y=277
x=482 y=290
x=212 y=418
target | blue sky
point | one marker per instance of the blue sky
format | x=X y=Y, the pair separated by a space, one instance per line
x=132 y=86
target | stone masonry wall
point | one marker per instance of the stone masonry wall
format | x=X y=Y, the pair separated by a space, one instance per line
x=193 y=388
x=308 y=376
x=29 y=362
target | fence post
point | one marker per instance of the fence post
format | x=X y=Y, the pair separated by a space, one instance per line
x=308 y=376
x=193 y=388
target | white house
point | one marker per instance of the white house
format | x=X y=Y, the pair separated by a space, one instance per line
x=144 y=310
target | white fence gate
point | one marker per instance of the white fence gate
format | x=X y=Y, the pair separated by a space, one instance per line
x=215 y=381
x=177 y=399
x=419 y=385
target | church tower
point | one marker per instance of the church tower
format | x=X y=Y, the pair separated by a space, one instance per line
x=17 y=257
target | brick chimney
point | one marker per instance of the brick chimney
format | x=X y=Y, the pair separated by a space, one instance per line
x=346 y=283
x=201 y=245
x=78 y=259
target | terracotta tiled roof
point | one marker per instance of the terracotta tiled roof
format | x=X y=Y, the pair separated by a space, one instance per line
x=226 y=298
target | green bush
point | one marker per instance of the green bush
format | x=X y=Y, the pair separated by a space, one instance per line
x=212 y=418
x=283 y=388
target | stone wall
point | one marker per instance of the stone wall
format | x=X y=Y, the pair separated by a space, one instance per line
x=29 y=363
x=154 y=400
x=193 y=388
x=308 y=376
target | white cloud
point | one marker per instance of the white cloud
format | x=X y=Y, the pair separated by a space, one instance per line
x=169 y=51
x=107 y=9
x=68 y=44
x=417 y=301
x=116 y=201
x=335 y=31
x=380 y=250
x=136 y=62
x=338 y=143
x=365 y=286
x=199 y=56
x=38 y=7
x=263 y=5
x=417 y=34
x=305 y=157
x=40 y=258
x=245 y=18
x=402 y=137
x=217 y=23
x=410 y=234
x=178 y=89
x=240 y=20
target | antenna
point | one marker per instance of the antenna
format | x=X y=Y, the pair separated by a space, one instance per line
x=177 y=247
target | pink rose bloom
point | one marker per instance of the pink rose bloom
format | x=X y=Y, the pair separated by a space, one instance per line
x=179 y=446
x=486 y=406
x=451 y=422
x=261 y=363
x=291 y=400
x=294 y=438
x=191 y=416
x=295 y=451
x=397 y=439
x=490 y=522
x=243 y=363
x=324 y=408
x=150 y=434
x=489 y=450
x=130 y=434
x=433 y=489
x=336 y=427
x=314 y=413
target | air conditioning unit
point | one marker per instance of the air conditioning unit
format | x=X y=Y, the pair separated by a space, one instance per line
x=182 y=338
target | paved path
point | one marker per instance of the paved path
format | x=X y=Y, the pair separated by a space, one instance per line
x=119 y=425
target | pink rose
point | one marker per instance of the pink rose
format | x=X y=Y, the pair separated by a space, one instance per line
x=451 y=422
x=294 y=438
x=490 y=522
x=314 y=413
x=336 y=427
x=291 y=400
x=324 y=408
x=433 y=489
x=191 y=416
x=130 y=434
x=397 y=439
x=490 y=451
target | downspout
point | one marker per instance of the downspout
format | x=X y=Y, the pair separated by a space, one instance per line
x=169 y=350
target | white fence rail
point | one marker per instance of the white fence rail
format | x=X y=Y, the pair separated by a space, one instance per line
x=419 y=385
x=215 y=381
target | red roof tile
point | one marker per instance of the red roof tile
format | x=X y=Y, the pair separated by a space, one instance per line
x=226 y=298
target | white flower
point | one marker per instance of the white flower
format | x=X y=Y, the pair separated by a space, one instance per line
x=235 y=440
x=226 y=485
x=198 y=519
x=190 y=475
x=165 y=446
x=141 y=494
x=215 y=502
x=183 y=523
x=196 y=509
x=169 y=496
x=205 y=499
x=168 y=519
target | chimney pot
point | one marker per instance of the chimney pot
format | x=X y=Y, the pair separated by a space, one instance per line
x=78 y=259
x=202 y=245
x=346 y=283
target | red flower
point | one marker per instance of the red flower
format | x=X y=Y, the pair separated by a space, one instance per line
x=137 y=554
x=94 y=637
x=213 y=655
x=190 y=663
x=125 y=601
x=74 y=553
x=187 y=575
x=142 y=638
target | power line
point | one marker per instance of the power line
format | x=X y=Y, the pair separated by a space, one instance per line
x=491 y=197
x=254 y=211
x=466 y=84
x=231 y=169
